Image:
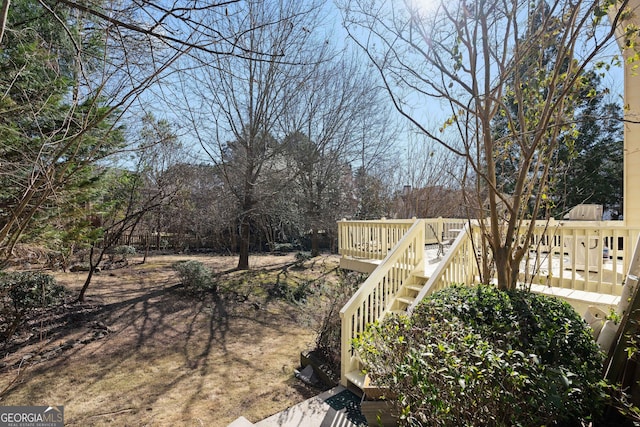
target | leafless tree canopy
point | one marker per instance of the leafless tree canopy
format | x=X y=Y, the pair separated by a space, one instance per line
x=96 y=60
x=270 y=124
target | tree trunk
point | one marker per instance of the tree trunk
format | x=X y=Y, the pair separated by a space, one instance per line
x=245 y=235
x=92 y=268
x=315 y=244
x=501 y=272
x=504 y=269
x=147 y=239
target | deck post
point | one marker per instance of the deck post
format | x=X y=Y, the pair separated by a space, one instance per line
x=384 y=238
x=631 y=142
x=631 y=196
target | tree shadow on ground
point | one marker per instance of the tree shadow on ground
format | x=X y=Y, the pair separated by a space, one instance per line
x=142 y=328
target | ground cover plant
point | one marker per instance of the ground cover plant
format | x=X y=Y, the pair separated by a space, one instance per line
x=22 y=293
x=480 y=356
x=143 y=349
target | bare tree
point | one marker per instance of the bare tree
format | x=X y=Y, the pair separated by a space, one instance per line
x=483 y=59
x=93 y=61
x=434 y=181
x=339 y=120
x=235 y=103
x=143 y=191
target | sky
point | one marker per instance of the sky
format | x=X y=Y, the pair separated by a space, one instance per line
x=431 y=111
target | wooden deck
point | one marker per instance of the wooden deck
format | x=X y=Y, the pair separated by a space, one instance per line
x=580 y=299
x=583 y=262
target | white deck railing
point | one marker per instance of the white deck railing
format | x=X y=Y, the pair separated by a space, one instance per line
x=563 y=254
x=370 y=239
x=374 y=238
x=590 y=256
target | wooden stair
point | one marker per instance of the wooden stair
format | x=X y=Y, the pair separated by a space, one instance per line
x=399 y=305
x=408 y=294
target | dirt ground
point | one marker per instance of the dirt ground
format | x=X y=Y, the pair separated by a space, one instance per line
x=141 y=352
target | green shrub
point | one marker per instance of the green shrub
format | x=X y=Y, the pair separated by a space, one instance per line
x=121 y=253
x=302 y=257
x=21 y=292
x=195 y=277
x=291 y=291
x=28 y=290
x=124 y=250
x=301 y=292
x=479 y=356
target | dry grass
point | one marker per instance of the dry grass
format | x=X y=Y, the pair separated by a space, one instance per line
x=166 y=358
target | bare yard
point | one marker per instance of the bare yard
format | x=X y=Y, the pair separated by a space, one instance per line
x=141 y=351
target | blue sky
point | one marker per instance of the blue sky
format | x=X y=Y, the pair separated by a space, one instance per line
x=431 y=111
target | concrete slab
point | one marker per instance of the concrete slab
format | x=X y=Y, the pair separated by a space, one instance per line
x=337 y=407
x=241 y=422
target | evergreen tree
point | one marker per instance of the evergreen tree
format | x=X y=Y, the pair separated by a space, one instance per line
x=51 y=129
x=590 y=169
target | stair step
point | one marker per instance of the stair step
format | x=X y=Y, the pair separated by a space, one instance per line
x=406 y=300
x=416 y=288
x=356 y=378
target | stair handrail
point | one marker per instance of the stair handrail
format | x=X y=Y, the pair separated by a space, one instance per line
x=460 y=257
x=372 y=300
